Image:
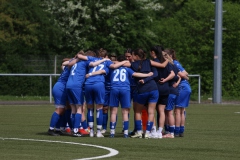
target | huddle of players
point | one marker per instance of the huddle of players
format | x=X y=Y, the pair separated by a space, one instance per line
x=155 y=84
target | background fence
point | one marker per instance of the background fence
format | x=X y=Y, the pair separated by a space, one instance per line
x=46 y=88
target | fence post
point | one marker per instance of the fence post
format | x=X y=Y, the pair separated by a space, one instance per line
x=199 y=89
x=50 y=88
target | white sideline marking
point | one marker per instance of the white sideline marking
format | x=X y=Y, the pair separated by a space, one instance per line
x=113 y=152
x=236 y=112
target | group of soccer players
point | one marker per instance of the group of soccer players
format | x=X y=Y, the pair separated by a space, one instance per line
x=159 y=86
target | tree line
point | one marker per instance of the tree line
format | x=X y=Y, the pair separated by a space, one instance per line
x=42 y=28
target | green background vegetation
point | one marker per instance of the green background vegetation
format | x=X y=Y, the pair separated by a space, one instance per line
x=39 y=29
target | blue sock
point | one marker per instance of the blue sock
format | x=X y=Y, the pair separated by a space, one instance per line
x=90 y=116
x=176 y=130
x=112 y=125
x=138 y=124
x=99 y=117
x=80 y=124
x=125 y=125
x=105 y=120
x=182 y=128
x=166 y=127
x=77 y=120
x=116 y=121
x=84 y=124
x=67 y=115
x=171 y=129
x=149 y=125
x=54 y=119
x=60 y=122
x=72 y=119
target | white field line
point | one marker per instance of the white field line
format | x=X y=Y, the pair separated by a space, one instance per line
x=113 y=152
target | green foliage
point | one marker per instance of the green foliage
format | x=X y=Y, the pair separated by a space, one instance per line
x=231 y=50
x=25 y=28
x=111 y=25
x=189 y=33
x=42 y=28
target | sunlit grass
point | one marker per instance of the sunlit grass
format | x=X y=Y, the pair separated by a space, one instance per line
x=211 y=132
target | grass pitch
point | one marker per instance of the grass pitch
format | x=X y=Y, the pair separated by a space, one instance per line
x=211 y=132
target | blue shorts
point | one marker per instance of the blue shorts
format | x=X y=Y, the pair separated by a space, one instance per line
x=107 y=97
x=148 y=97
x=120 y=95
x=184 y=95
x=59 y=94
x=171 y=102
x=75 y=96
x=95 y=93
x=134 y=93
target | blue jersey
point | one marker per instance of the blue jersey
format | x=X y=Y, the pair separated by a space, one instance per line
x=64 y=75
x=120 y=77
x=144 y=66
x=77 y=75
x=163 y=73
x=174 y=80
x=180 y=68
x=107 y=77
x=59 y=89
x=96 y=78
x=120 y=91
x=184 y=89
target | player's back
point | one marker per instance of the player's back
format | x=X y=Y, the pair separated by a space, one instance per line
x=64 y=75
x=96 y=78
x=120 y=77
x=77 y=74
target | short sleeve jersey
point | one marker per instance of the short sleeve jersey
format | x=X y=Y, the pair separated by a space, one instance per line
x=180 y=68
x=96 y=78
x=163 y=73
x=64 y=75
x=77 y=74
x=120 y=77
x=107 y=77
x=145 y=67
x=172 y=81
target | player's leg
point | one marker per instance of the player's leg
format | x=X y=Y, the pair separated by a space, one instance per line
x=59 y=94
x=89 y=95
x=125 y=102
x=177 y=121
x=113 y=120
x=84 y=126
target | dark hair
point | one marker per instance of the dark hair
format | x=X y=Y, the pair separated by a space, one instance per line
x=103 y=53
x=158 y=51
x=96 y=52
x=121 y=58
x=141 y=54
x=173 y=54
x=128 y=50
